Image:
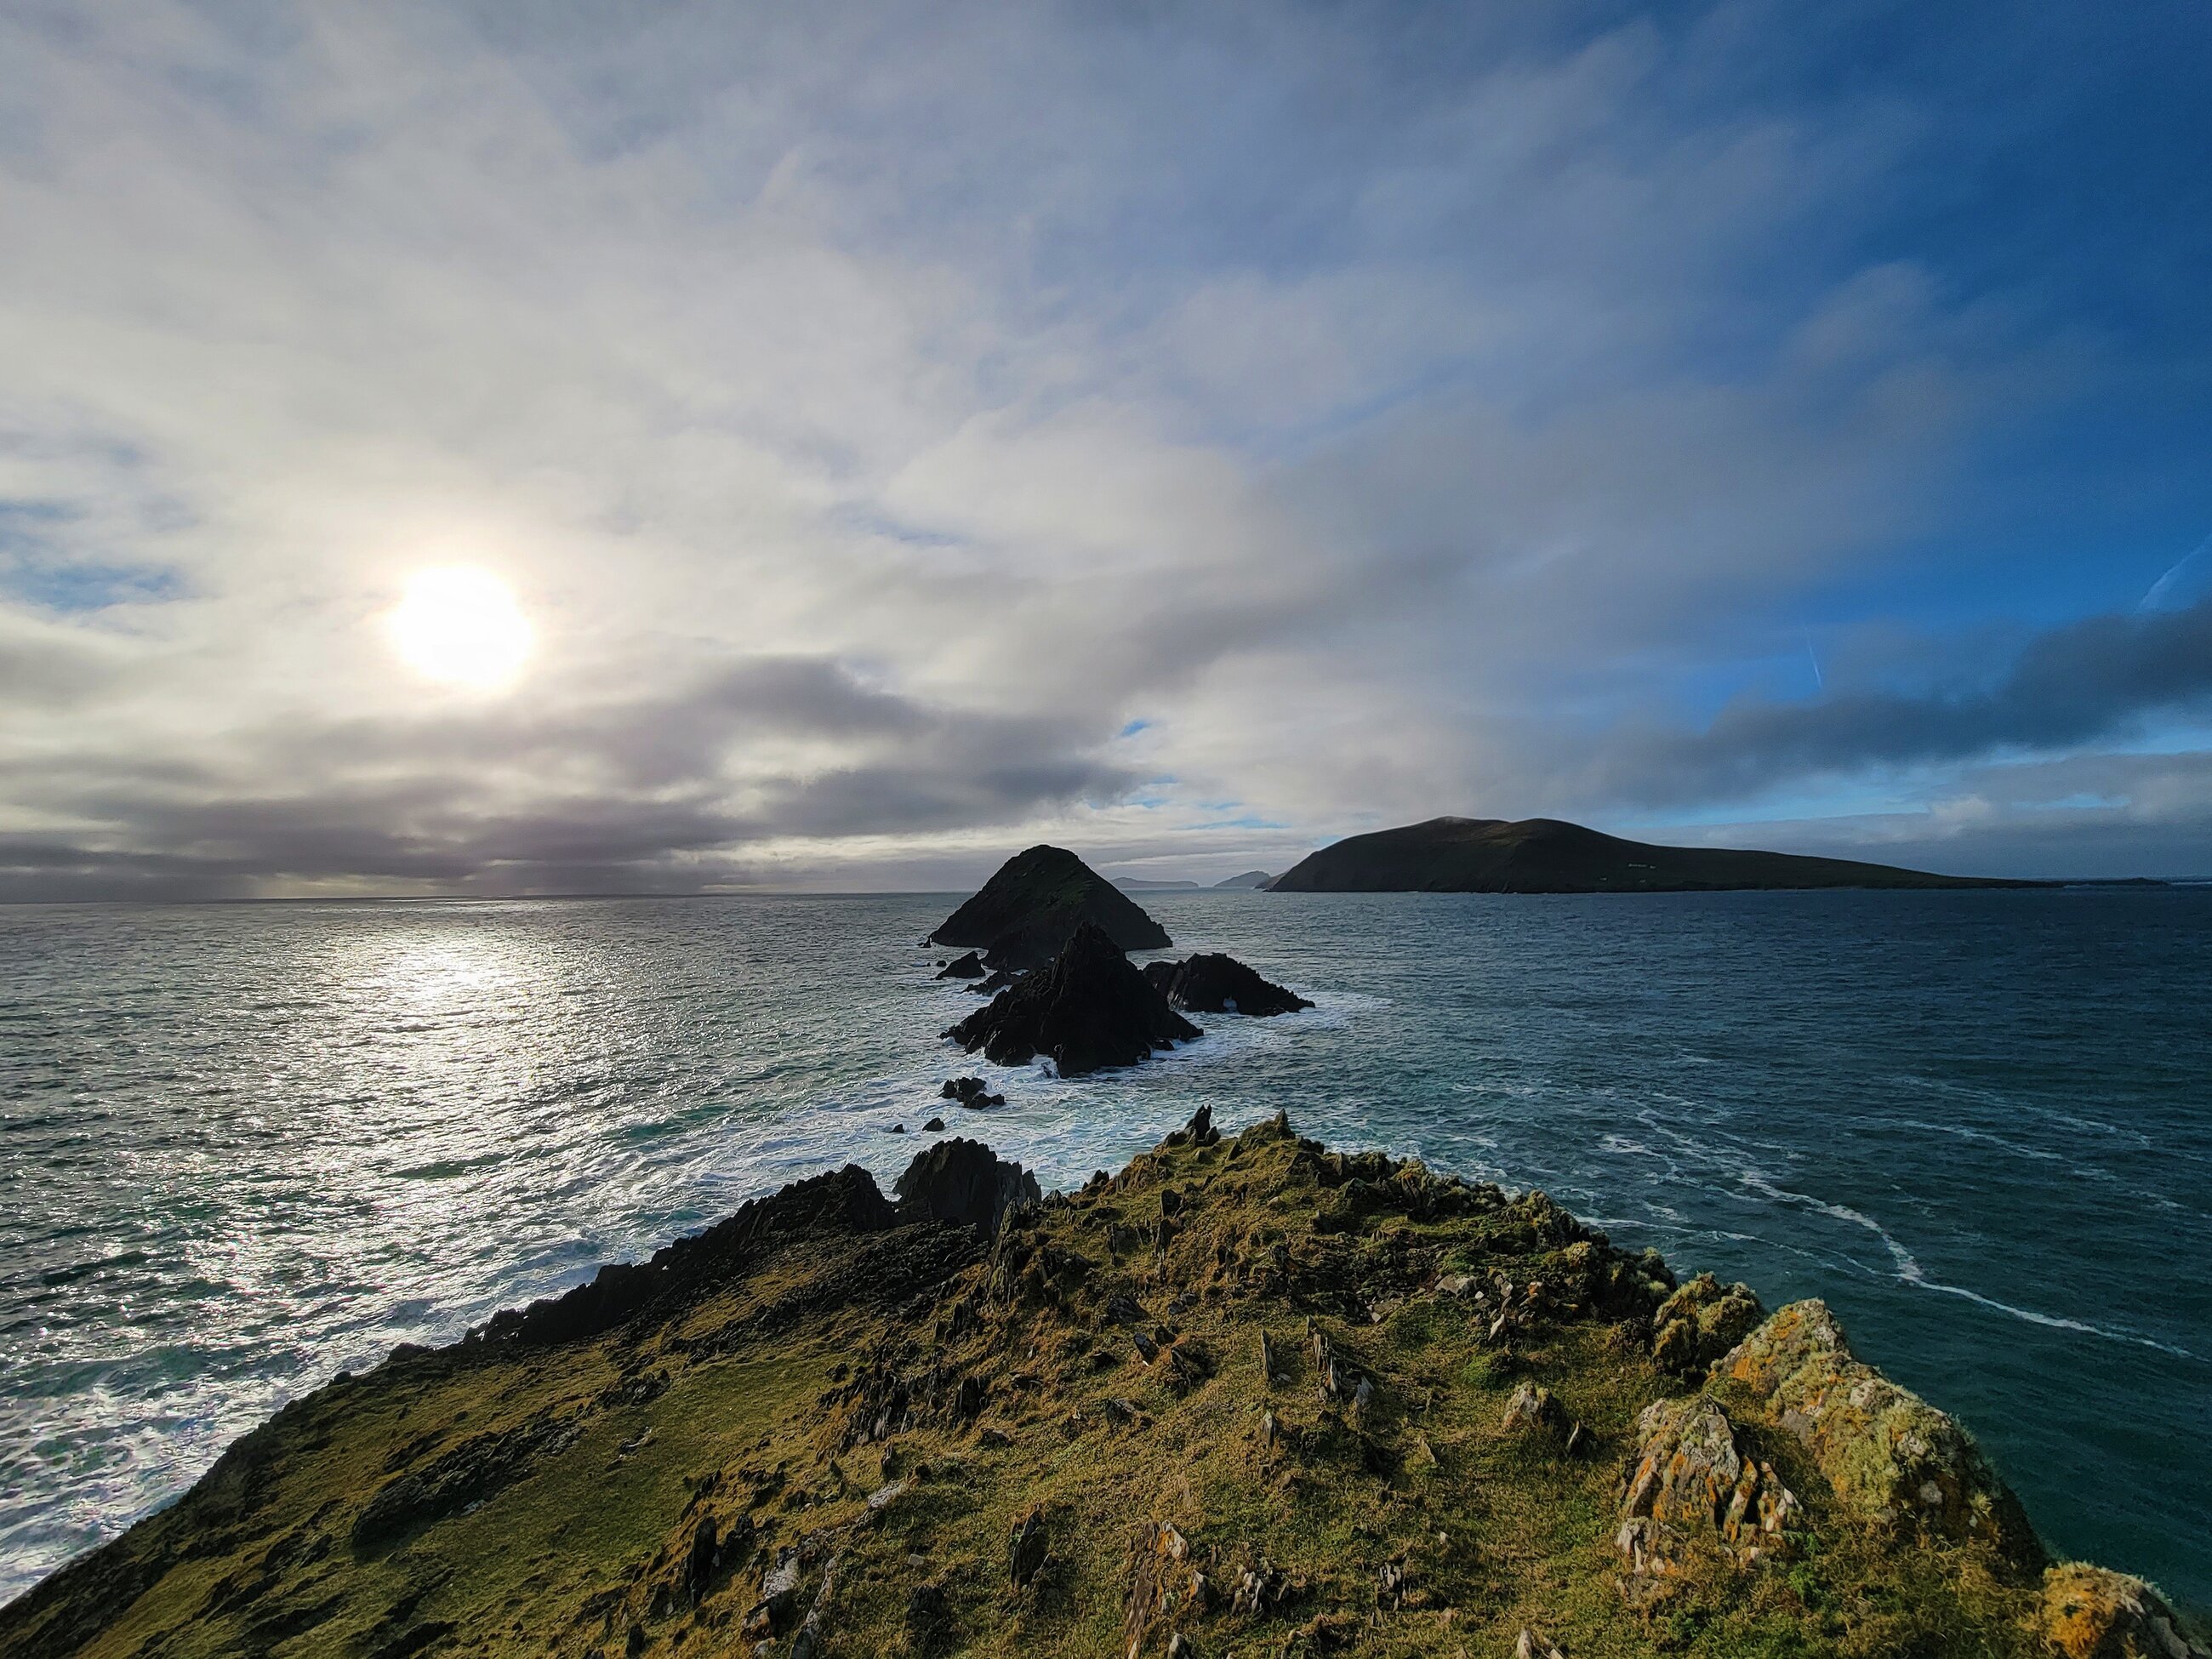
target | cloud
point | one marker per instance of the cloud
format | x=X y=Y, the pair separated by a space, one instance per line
x=2098 y=677
x=878 y=410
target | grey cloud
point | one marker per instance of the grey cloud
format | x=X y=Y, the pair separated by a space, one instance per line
x=2087 y=680
x=484 y=804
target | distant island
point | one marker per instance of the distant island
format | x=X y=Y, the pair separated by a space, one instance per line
x=1548 y=855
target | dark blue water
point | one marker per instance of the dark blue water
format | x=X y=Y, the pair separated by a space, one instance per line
x=241 y=1148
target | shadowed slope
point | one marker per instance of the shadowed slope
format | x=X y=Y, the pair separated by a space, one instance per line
x=1546 y=855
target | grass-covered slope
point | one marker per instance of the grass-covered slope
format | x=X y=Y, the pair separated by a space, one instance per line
x=1546 y=855
x=1246 y=1397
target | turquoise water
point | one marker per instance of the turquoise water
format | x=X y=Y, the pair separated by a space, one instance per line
x=245 y=1146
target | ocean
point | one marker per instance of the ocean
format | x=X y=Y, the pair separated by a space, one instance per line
x=243 y=1148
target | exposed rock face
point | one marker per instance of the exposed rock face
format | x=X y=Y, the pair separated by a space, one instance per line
x=1701 y=1321
x=968 y=967
x=1029 y=910
x=1890 y=1455
x=846 y=1201
x=1692 y=1481
x=1090 y=1009
x=963 y=1182
x=2093 y=1613
x=1210 y=983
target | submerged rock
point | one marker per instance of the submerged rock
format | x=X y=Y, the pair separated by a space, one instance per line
x=964 y=1182
x=1090 y=1009
x=1028 y=911
x=1211 y=984
x=971 y=1092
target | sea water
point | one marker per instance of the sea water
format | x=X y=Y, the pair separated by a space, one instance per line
x=243 y=1148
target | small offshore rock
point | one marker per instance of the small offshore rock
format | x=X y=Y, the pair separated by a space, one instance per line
x=970 y=1091
x=935 y=1126
x=968 y=967
x=1210 y=983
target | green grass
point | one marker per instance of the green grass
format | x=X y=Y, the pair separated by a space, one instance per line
x=1494 y=1530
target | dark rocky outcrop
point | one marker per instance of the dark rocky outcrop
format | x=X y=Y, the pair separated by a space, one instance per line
x=1211 y=984
x=1031 y=908
x=845 y=1201
x=1090 y=1009
x=970 y=1091
x=1545 y=855
x=965 y=1183
x=968 y=967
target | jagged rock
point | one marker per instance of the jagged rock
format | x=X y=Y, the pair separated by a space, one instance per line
x=1160 y=1579
x=964 y=1182
x=1533 y=1409
x=1701 y=1321
x=1211 y=984
x=2093 y=1613
x=472 y=1473
x=846 y=1201
x=970 y=1091
x=1199 y=1132
x=778 y=1601
x=1025 y=1548
x=1090 y=1009
x=1025 y=914
x=968 y=967
x=1888 y=1454
x=1691 y=1479
x=935 y=1126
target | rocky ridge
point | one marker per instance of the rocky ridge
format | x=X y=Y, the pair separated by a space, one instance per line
x=1245 y=1396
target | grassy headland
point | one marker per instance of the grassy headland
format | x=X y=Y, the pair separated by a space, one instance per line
x=1245 y=1397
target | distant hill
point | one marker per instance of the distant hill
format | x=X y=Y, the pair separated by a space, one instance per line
x=1546 y=856
x=1250 y=879
x=1031 y=908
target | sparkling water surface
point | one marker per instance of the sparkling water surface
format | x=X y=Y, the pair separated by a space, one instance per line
x=243 y=1148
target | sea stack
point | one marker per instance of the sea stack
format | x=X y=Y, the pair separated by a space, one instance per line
x=1090 y=1009
x=1029 y=910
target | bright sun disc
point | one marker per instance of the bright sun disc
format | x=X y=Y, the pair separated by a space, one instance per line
x=461 y=627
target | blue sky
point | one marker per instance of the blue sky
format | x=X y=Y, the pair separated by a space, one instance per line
x=1190 y=435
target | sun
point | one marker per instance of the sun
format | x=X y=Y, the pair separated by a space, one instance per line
x=461 y=626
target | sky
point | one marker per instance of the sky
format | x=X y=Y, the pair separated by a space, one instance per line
x=1185 y=433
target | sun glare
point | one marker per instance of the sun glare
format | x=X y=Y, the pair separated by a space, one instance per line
x=461 y=626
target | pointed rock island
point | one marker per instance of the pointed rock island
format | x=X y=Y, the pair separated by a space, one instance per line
x=1091 y=1008
x=1031 y=908
x=1246 y=1397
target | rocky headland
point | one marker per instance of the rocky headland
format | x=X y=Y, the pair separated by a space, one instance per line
x=1245 y=1396
x=1547 y=855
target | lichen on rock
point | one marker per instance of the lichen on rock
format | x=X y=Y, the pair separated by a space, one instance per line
x=1891 y=1457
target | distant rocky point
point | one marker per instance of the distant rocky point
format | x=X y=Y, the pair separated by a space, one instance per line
x=1547 y=855
x=1031 y=908
x=1250 y=878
